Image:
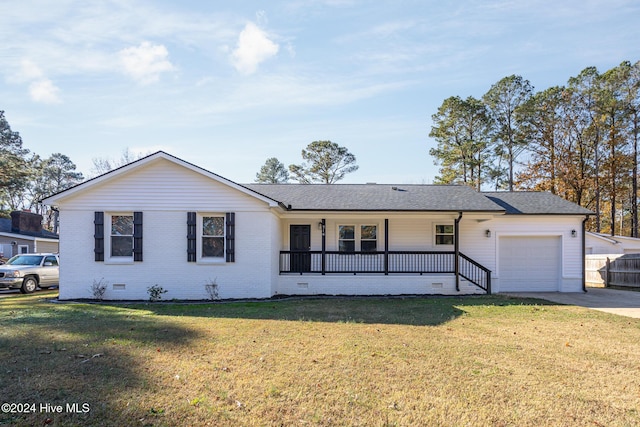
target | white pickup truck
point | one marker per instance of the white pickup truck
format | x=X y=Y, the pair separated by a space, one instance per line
x=30 y=271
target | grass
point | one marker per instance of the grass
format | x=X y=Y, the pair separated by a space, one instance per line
x=467 y=361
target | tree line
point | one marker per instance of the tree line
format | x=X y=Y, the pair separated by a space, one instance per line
x=26 y=177
x=579 y=141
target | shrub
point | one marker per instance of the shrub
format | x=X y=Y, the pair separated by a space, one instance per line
x=212 y=289
x=155 y=292
x=98 y=289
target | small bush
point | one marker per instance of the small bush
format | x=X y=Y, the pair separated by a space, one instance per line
x=155 y=292
x=98 y=289
x=212 y=289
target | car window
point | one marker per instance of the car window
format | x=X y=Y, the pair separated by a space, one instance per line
x=25 y=260
x=51 y=259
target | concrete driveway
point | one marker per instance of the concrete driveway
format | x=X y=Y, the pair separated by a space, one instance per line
x=624 y=303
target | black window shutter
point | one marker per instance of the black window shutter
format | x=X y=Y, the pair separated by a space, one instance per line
x=191 y=237
x=98 y=236
x=137 y=236
x=231 y=236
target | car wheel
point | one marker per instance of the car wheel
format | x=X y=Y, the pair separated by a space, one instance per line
x=29 y=284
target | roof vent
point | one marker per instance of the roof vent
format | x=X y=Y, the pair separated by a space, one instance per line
x=398 y=189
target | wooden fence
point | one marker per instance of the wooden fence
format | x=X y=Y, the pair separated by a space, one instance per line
x=613 y=270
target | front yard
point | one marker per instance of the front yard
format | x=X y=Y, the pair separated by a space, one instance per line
x=486 y=360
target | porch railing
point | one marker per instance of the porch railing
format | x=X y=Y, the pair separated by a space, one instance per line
x=391 y=262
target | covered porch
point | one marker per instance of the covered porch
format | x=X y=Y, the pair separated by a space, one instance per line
x=370 y=259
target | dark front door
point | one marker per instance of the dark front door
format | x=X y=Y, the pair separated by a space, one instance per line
x=299 y=245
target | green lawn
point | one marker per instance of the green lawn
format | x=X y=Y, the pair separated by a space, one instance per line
x=458 y=361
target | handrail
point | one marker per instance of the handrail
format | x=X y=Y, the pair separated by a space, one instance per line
x=475 y=273
x=384 y=262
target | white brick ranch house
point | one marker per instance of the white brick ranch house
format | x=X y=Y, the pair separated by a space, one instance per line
x=163 y=221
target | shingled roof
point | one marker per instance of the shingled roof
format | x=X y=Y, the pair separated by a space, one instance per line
x=377 y=197
x=535 y=203
x=419 y=198
x=5 y=227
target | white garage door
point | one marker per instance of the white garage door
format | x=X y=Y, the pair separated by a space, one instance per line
x=530 y=264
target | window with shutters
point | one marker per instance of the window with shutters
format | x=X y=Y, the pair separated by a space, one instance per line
x=210 y=237
x=118 y=236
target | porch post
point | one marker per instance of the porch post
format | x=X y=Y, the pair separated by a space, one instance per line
x=324 y=244
x=584 y=254
x=386 y=246
x=456 y=246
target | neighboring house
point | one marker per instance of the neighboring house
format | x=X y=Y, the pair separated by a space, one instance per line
x=23 y=233
x=597 y=243
x=163 y=221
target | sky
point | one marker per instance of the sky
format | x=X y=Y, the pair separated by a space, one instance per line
x=227 y=84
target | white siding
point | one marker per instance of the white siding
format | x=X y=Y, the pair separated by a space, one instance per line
x=373 y=285
x=410 y=234
x=406 y=232
x=274 y=253
x=486 y=250
x=165 y=260
x=415 y=233
x=162 y=185
x=165 y=192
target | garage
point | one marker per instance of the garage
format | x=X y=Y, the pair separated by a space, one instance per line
x=530 y=263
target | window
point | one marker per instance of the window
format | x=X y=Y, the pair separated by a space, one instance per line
x=368 y=238
x=212 y=237
x=23 y=249
x=348 y=235
x=51 y=259
x=346 y=238
x=444 y=234
x=121 y=235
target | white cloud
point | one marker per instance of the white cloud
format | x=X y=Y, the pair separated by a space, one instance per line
x=29 y=71
x=44 y=91
x=146 y=62
x=253 y=48
x=41 y=89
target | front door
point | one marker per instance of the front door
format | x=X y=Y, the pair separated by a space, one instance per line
x=299 y=245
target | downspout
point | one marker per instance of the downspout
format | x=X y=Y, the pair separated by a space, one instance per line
x=56 y=218
x=584 y=254
x=456 y=248
x=324 y=245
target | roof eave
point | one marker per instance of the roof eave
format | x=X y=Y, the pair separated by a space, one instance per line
x=483 y=211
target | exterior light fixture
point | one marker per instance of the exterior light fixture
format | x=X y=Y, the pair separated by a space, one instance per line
x=322 y=227
x=574 y=233
x=487 y=233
